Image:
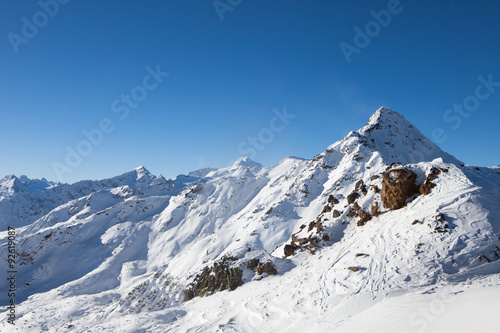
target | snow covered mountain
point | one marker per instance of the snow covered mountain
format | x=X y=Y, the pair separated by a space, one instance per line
x=304 y=245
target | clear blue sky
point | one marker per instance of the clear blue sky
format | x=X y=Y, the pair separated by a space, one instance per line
x=227 y=76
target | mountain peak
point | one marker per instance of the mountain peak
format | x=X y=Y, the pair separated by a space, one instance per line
x=245 y=161
x=142 y=171
x=388 y=132
x=386 y=115
x=394 y=138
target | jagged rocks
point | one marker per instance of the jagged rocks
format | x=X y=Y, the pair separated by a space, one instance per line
x=360 y=186
x=363 y=218
x=359 y=212
x=253 y=264
x=363 y=189
x=374 y=209
x=289 y=250
x=220 y=276
x=439 y=224
x=267 y=267
x=332 y=200
x=261 y=268
x=335 y=213
x=397 y=186
x=326 y=209
x=351 y=198
x=426 y=187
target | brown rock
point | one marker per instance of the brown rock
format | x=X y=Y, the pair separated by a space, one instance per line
x=336 y=213
x=397 y=186
x=374 y=209
x=363 y=189
x=363 y=218
x=326 y=209
x=352 y=197
x=252 y=264
x=289 y=250
x=332 y=200
x=435 y=171
x=267 y=267
x=351 y=212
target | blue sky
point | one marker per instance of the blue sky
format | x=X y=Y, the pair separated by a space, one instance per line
x=228 y=78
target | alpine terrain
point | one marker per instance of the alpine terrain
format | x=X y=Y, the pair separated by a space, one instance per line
x=381 y=232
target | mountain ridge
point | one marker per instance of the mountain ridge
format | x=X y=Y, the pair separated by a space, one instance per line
x=307 y=235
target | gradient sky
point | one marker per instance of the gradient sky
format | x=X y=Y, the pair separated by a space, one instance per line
x=227 y=76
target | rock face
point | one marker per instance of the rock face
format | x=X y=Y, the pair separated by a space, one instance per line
x=220 y=276
x=267 y=267
x=397 y=186
x=289 y=250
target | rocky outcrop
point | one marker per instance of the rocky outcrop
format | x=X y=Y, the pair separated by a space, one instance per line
x=266 y=267
x=426 y=187
x=352 y=197
x=374 y=209
x=332 y=200
x=397 y=186
x=289 y=250
x=220 y=276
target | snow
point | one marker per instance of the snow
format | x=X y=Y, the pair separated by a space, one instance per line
x=115 y=255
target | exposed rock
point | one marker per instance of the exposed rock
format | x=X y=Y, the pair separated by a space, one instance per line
x=374 y=209
x=363 y=218
x=267 y=267
x=326 y=209
x=426 y=187
x=289 y=250
x=375 y=189
x=220 y=276
x=352 y=197
x=303 y=241
x=351 y=212
x=353 y=268
x=435 y=171
x=336 y=213
x=397 y=186
x=326 y=238
x=253 y=263
x=416 y=221
x=363 y=189
x=319 y=227
x=332 y=200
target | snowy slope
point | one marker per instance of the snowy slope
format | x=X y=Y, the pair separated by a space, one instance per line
x=120 y=254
